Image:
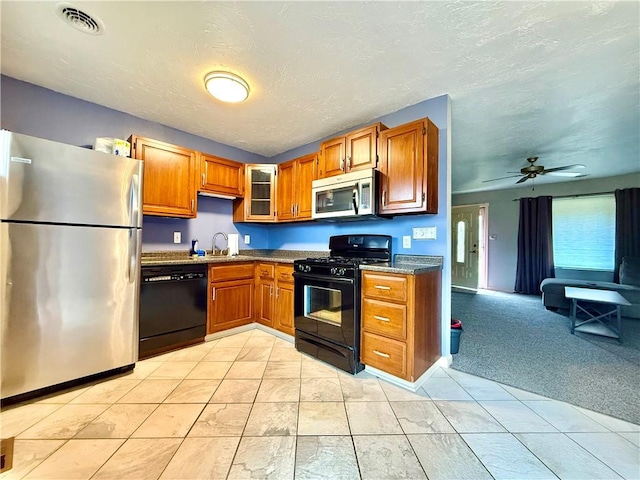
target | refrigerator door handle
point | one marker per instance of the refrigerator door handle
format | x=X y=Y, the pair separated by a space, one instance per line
x=134 y=201
x=133 y=254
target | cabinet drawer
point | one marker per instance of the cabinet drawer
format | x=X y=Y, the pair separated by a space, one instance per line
x=230 y=271
x=265 y=270
x=385 y=287
x=384 y=354
x=284 y=273
x=385 y=318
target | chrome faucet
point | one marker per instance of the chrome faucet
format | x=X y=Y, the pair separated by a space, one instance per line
x=214 y=250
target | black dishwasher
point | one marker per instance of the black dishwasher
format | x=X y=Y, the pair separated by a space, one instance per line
x=173 y=307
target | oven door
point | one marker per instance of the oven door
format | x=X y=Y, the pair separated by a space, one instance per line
x=326 y=307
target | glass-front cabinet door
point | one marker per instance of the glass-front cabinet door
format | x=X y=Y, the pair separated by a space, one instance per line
x=260 y=195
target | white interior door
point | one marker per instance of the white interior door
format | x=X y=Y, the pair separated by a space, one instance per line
x=465 y=258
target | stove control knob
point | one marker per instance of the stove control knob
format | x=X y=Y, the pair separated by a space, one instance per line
x=334 y=270
x=341 y=272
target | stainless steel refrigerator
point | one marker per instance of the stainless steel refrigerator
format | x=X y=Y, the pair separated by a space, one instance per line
x=70 y=235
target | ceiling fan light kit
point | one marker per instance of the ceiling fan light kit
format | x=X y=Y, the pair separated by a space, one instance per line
x=532 y=171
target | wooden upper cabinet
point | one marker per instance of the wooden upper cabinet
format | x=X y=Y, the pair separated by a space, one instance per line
x=286 y=191
x=333 y=157
x=169 y=185
x=221 y=177
x=409 y=169
x=306 y=173
x=357 y=150
x=259 y=202
x=294 y=187
x=362 y=147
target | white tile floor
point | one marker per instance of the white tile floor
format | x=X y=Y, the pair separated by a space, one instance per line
x=250 y=406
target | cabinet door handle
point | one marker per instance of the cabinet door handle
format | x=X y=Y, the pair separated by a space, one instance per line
x=350 y=163
x=382 y=319
x=297 y=209
x=213 y=293
x=342 y=164
x=384 y=198
x=293 y=210
x=277 y=292
x=271 y=290
x=385 y=355
x=203 y=179
x=382 y=287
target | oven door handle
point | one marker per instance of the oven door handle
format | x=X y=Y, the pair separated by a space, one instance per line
x=323 y=278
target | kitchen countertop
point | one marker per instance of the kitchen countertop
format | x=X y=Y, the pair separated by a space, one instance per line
x=408 y=264
x=172 y=257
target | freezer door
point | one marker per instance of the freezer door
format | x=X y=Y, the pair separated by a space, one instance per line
x=69 y=303
x=45 y=181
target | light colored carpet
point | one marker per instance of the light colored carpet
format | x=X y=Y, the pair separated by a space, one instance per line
x=513 y=339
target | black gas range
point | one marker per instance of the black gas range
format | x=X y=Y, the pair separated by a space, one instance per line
x=327 y=298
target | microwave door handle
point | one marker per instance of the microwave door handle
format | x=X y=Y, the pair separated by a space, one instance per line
x=356 y=200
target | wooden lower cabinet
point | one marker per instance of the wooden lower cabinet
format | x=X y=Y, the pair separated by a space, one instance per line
x=401 y=328
x=231 y=296
x=284 y=299
x=265 y=285
x=275 y=296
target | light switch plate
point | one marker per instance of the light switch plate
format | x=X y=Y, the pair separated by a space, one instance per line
x=247 y=239
x=177 y=237
x=424 y=233
x=406 y=241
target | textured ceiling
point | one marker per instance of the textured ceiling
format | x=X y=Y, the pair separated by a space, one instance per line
x=559 y=80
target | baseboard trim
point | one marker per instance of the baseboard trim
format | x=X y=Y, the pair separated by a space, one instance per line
x=275 y=333
x=247 y=328
x=442 y=362
x=229 y=332
x=456 y=288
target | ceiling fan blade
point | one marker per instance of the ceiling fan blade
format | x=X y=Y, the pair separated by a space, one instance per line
x=566 y=174
x=501 y=178
x=523 y=179
x=566 y=167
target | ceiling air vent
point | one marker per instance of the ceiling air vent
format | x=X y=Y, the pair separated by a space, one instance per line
x=80 y=20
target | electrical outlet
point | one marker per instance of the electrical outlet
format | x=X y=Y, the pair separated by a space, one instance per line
x=424 y=233
x=406 y=241
x=247 y=239
x=177 y=237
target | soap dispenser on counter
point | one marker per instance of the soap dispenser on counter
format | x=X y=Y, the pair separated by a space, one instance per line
x=194 y=248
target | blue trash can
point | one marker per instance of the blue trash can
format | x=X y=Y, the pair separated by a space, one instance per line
x=456 y=331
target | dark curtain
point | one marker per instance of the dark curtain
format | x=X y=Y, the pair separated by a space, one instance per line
x=535 y=245
x=627 y=226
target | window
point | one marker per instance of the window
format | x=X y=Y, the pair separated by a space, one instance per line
x=461 y=243
x=584 y=232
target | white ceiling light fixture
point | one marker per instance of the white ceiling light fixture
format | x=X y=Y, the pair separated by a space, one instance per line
x=226 y=86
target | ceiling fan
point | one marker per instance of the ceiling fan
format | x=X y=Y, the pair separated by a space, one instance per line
x=532 y=171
